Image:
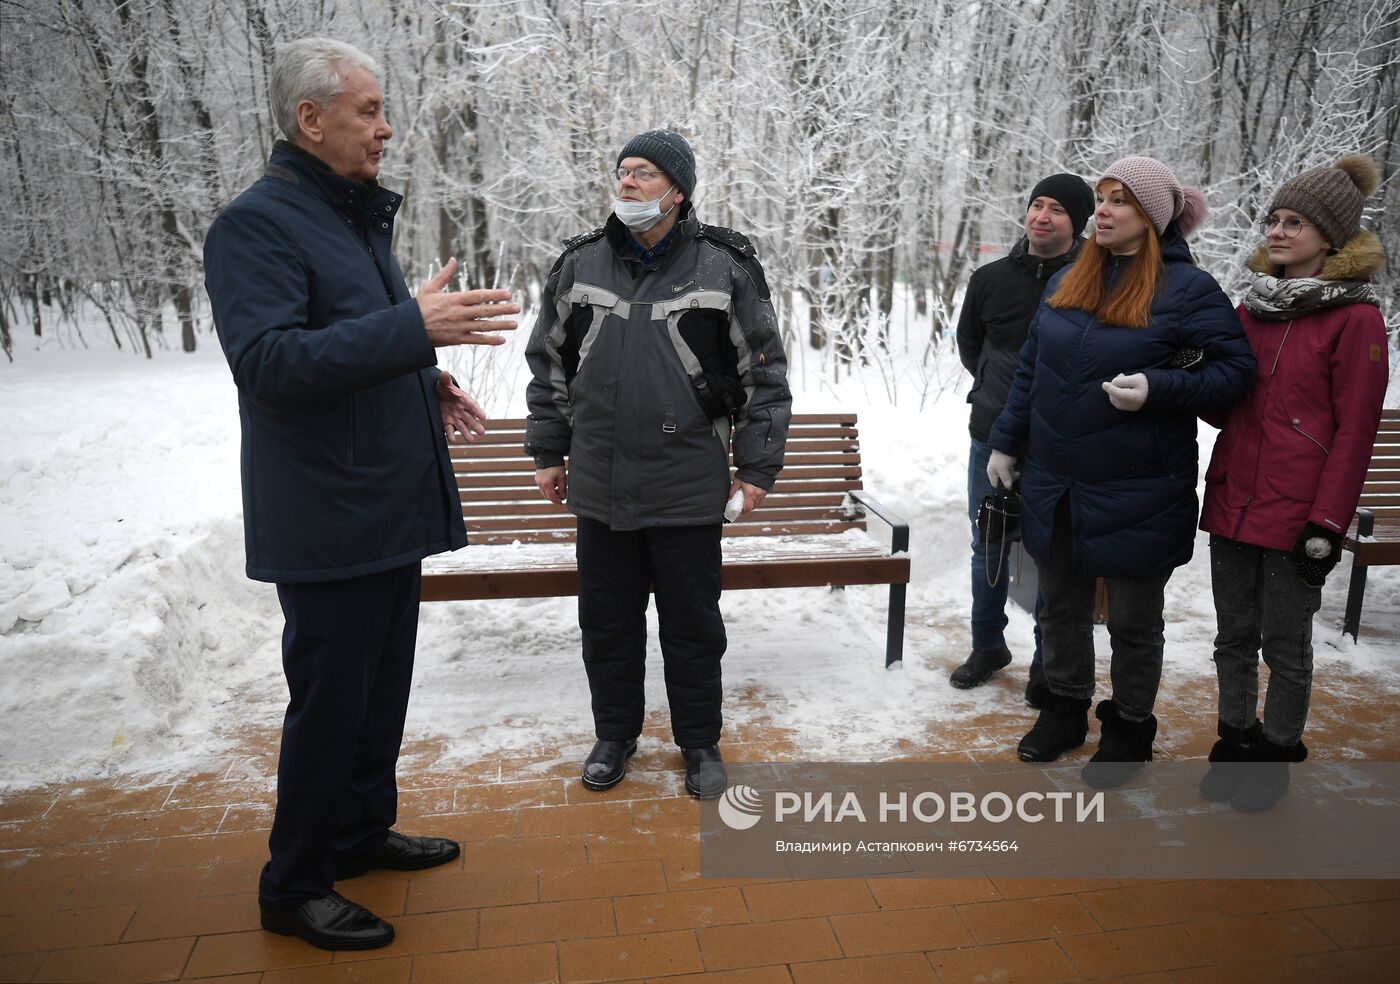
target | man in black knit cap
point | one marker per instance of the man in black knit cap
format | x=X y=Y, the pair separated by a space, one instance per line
x=997 y=310
x=655 y=352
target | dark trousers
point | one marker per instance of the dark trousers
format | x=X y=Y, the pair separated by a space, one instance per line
x=1136 y=629
x=616 y=571
x=347 y=651
x=1262 y=603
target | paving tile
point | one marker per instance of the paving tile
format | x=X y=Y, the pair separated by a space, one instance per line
x=416 y=803
x=20 y=967
x=1361 y=889
x=160 y=960
x=899 y=930
x=428 y=932
x=24 y=893
x=680 y=910
x=105 y=801
x=669 y=842
x=72 y=861
x=221 y=792
x=618 y=958
x=62 y=929
x=1027 y=919
x=1149 y=905
x=1259 y=937
x=246 y=819
x=1033 y=962
x=193 y=917
x=144 y=885
x=508 y=886
x=1134 y=951
x=640 y=784
x=759 y=944
x=534 y=964
x=794 y=900
x=683 y=875
x=242 y=953
x=898 y=968
x=1025 y=888
x=231 y=979
x=643 y=877
x=1247 y=896
x=165 y=823
x=510 y=795
x=658 y=813
x=909 y=893
x=1290 y=970
x=235 y=878
x=211 y=849
x=542 y=922
x=25 y=807
x=1376 y=964
x=469 y=828
x=50 y=832
x=1360 y=924
x=383 y=896
x=509 y=852
x=578 y=818
x=773 y=974
x=375 y=968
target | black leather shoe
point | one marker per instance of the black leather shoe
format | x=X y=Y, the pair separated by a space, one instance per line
x=331 y=923
x=607 y=763
x=980 y=664
x=705 y=777
x=399 y=852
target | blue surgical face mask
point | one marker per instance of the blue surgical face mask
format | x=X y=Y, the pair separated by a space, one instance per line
x=641 y=216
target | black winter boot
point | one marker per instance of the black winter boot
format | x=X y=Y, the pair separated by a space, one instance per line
x=1037 y=690
x=979 y=665
x=1061 y=726
x=1265 y=775
x=1225 y=757
x=1124 y=747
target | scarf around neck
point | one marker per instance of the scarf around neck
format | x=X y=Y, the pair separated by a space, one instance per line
x=1277 y=299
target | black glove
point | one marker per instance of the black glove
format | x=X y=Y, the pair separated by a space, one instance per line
x=1311 y=568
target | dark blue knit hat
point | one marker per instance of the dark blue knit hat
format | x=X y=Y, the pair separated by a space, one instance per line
x=669 y=151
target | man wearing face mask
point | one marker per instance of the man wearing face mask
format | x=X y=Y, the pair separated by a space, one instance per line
x=655 y=352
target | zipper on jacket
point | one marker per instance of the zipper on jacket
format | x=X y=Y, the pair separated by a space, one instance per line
x=1296 y=422
x=1279 y=354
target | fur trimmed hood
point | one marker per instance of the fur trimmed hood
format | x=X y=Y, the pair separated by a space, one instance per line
x=1360 y=259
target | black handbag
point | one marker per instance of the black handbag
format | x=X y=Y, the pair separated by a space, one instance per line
x=999 y=525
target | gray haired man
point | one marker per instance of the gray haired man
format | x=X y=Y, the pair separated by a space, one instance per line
x=347 y=483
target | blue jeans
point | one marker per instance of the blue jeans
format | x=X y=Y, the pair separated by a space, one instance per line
x=1262 y=604
x=989 y=601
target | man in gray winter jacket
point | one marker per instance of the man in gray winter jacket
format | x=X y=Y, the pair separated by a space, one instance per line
x=655 y=351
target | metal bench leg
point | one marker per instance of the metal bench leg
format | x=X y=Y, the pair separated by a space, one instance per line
x=894 y=644
x=1356 y=593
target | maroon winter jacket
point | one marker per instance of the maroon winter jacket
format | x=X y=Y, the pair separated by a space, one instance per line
x=1296 y=449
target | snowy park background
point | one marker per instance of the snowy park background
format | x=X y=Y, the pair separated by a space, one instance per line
x=876 y=153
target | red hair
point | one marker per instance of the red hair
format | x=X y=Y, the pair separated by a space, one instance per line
x=1129 y=302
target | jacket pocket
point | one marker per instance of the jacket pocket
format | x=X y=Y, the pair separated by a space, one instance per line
x=1298 y=454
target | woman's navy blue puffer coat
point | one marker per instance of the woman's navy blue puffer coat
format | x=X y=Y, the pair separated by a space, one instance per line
x=1130 y=475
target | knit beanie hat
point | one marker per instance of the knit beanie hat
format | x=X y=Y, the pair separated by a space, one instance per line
x=669 y=151
x=1074 y=195
x=1159 y=193
x=1332 y=196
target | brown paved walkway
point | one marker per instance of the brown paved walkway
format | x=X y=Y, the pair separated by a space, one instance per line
x=125 y=881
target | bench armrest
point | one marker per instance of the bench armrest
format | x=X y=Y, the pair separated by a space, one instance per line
x=1365 y=524
x=899 y=529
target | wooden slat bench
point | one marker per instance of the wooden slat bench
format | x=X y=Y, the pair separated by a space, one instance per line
x=810 y=531
x=1374 y=539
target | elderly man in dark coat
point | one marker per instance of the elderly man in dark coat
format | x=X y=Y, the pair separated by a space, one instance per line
x=347 y=483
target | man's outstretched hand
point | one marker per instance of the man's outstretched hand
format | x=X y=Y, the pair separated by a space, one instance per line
x=463 y=317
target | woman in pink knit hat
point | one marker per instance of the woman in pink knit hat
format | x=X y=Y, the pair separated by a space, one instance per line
x=1288 y=467
x=1101 y=422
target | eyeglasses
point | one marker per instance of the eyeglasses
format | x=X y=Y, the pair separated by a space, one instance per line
x=1291 y=226
x=642 y=174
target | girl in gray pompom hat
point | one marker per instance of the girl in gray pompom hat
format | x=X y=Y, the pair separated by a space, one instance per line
x=1288 y=467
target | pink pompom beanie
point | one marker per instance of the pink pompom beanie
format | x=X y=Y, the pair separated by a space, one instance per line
x=1159 y=193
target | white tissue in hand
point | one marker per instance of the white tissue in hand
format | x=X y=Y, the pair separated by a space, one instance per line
x=733 y=506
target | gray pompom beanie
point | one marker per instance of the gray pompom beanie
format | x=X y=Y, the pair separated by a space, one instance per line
x=669 y=151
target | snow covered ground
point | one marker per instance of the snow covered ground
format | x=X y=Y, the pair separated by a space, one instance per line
x=130 y=641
